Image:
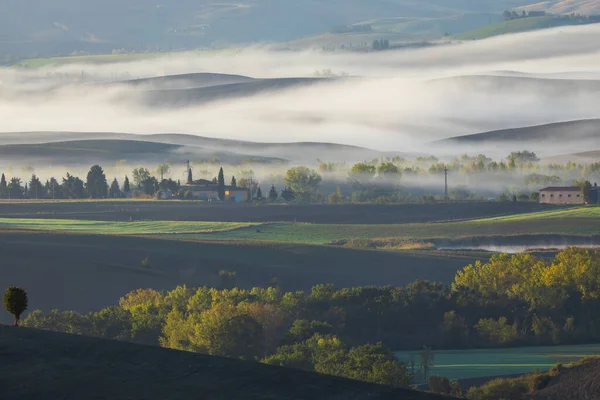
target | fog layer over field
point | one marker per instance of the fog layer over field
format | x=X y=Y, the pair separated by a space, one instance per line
x=392 y=101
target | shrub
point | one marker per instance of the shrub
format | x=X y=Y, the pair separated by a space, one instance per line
x=439 y=384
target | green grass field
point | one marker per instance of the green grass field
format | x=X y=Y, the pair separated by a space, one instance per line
x=121 y=228
x=108 y=58
x=571 y=221
x=464 y=364
x=514 y=26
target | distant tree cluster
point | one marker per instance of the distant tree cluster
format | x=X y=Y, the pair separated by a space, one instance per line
x=382 y=44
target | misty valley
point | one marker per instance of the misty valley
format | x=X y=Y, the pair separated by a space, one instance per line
x=397 y=200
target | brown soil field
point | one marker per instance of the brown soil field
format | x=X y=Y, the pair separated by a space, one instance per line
x=87 y=272
x=198 y=211
x=50 y=365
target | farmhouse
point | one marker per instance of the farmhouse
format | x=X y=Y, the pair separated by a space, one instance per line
x=208 y=190
x=561 y=195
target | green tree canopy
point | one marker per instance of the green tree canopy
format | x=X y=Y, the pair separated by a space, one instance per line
x=115 y=191
x=15 y=302
x=139 y=175
x=96 y=184
x=303 y=181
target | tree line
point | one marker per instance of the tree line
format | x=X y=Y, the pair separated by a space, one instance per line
x=509 y=300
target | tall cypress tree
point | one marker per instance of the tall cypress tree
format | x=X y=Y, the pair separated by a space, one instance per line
x=189 y=178
x=3 y=187
x=126 y=186
x=221 y=183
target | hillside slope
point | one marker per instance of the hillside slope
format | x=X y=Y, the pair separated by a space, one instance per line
x=583 y=7
x=584 y=130
x=516 y=26
x=579 y=381
x=68 y=25
x=49 y=365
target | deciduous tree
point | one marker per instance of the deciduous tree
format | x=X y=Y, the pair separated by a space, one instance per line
x=15 y=302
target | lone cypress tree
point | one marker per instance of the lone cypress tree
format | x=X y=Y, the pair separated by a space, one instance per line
x=3 y=187
x=221 y=183
x=189 y=178
x=15 y=302
x=126 y=186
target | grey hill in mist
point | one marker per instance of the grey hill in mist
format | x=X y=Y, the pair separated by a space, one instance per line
x=581 y=130
x=69 y=148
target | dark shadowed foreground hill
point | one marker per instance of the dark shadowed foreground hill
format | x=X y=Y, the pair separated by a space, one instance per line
x=48 y=365
x=580 y=381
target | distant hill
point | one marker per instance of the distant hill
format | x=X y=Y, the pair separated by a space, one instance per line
x=582 y=130
x=516 y=26
x=88 y=152
x=197 y=95
x=183 y=81
x=583 y=7
x=50 y=365
x=585 y=157
x=35 y=28
x=64 y=148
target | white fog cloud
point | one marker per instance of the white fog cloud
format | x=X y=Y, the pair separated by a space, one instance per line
x=396 y=100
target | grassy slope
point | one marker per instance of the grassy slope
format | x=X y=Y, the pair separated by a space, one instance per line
x=573 y=221
x=94 y=271
x=124 y=210
x=109 y=58
x=513 y=26
x=464 y=364
x=49 y=365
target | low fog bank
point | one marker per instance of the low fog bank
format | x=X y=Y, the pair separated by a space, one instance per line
x=390 y=101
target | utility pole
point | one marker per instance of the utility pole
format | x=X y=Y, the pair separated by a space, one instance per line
x=445 y=183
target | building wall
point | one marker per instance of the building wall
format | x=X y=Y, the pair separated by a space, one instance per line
x=561 y=197
x=237 y=194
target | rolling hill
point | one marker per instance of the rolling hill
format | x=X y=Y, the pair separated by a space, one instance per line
x=65 y=148
x=67 y=26
x=50 y=365
x=182 y=81
x=516 y=26
x=101 y=151
x=586 y=131
x=583 y=7
x=221 y=92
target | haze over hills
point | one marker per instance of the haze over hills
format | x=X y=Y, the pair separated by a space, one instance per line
x=582 y=131
x=69 y=26
x=70 y=148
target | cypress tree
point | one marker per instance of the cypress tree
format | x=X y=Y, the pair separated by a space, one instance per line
x=273 y=193
x=233 y=181
x=258 y=194
x=126 y=185
x=221 y=183
x=189 y=178
x=3 y=187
